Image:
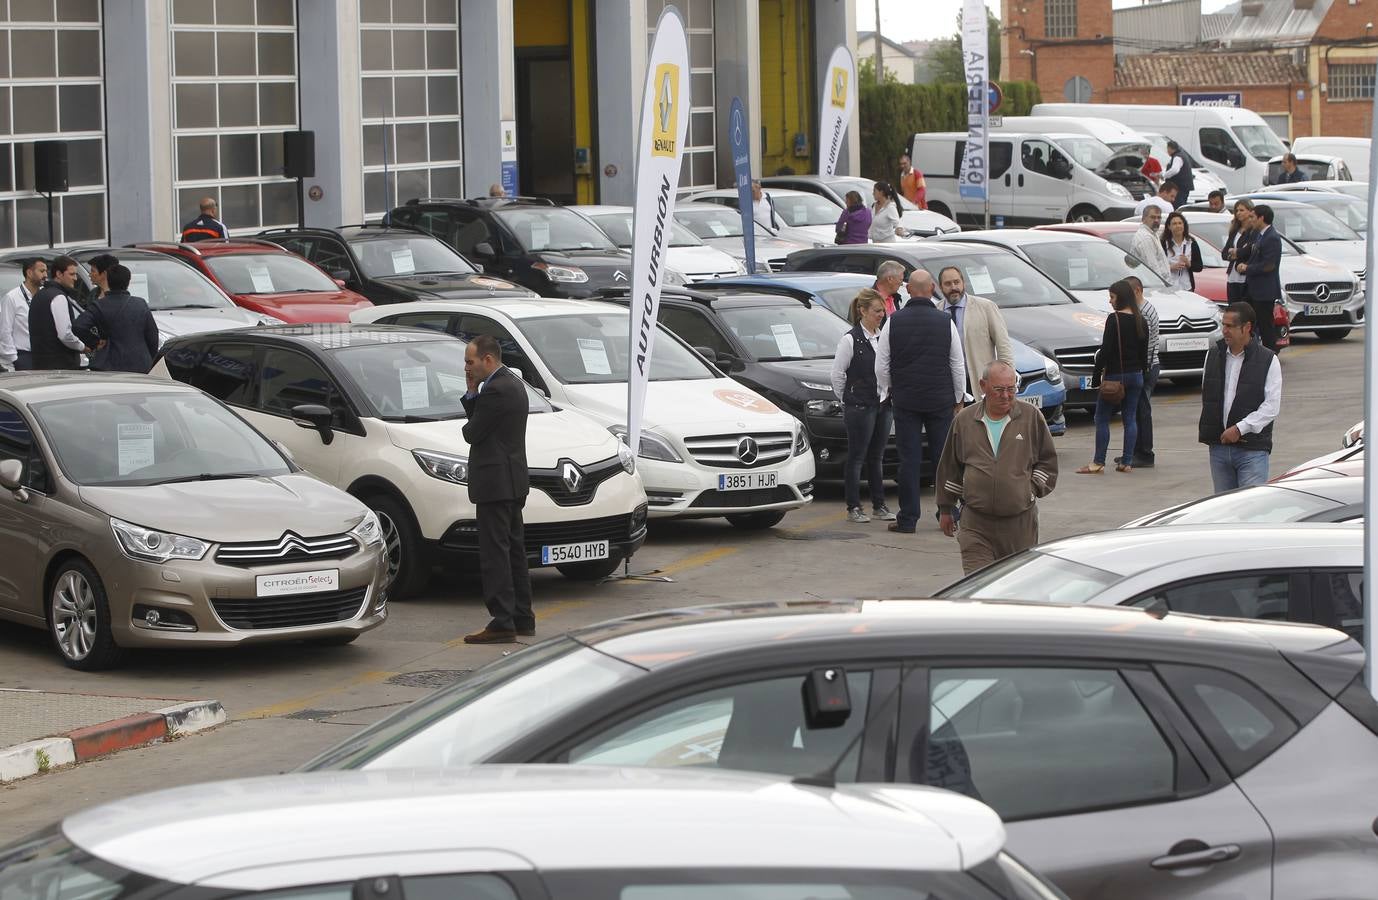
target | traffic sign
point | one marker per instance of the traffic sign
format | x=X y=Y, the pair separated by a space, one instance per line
x=996 y=95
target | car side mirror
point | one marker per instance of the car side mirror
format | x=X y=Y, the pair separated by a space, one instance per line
x=313 y=415
x=827 y=702
x=342 y=277
x=11 y=474
x=485 y=250
x=340 y=282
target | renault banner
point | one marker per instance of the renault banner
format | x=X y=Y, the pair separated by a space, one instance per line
x=839 y=101
x=740 y=140
x=660 y=147
x=971 y=181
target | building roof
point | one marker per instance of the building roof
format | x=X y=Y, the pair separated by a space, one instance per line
x=1169 y=25
x=1214 y=25
x=1168 y=70
x=1273 y=23
x=898 y=48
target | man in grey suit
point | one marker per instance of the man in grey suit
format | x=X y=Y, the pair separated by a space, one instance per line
x=497 y=406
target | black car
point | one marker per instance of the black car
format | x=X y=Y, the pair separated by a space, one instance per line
x=390 y=264
x=552 y=250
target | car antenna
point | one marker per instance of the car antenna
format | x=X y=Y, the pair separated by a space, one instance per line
x=827 y=778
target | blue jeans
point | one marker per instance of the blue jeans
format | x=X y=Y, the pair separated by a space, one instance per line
x=910 y=428
x=1233 y=467
x=1133 y=386
x=868 y=431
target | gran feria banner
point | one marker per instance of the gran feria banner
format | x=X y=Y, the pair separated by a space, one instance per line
x=971 y=181
x=664 y=119
x=839 y=101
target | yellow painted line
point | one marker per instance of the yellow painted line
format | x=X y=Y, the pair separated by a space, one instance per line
x=697 y=560
x=297 y=704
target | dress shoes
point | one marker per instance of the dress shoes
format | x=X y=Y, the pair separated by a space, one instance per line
x=526 y=629
x=895 y=526
x=492 y=636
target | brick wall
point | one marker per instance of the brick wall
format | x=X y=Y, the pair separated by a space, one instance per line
x=1054 y=61
x=1343 y=22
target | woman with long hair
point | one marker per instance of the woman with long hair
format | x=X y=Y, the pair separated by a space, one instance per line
x=1237 y=246
x=865 y=414
x=1182 y=251
x=885 y=214
x=1122 y=358
x=854 y=225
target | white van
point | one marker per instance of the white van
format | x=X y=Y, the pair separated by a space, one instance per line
x=1235 y=144
x=1033 y=181
x=1354 y=150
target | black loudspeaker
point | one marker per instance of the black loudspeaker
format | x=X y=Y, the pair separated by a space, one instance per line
x=50 y=167
x=299 y=154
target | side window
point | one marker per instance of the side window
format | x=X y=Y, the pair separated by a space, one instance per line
x=1338 y=598
x=1242 y=723
x=16 y=442
x=291 y=379
x=228 y=372
x=694 y=328
x=1035 y=742
x=435 y=321
x=403 y=215
x=1251 y=595
x=1001 y=158
x=757 y=726
x=1218 y=147
x=1042 y=158
x=330 y=255
x=513 y=355
x=468 y=886
x=467 y=230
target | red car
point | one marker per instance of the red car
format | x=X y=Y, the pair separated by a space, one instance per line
x=263 y=277
x=1210 y=281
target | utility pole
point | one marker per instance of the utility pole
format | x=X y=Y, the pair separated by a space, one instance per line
x=880 y=59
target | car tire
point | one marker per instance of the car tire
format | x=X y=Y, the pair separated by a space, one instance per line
x=757 y=521
x=335 y=640
x=407 y=568
x=79 y=618
x=1338 y=334
x=941 y=209
x=1084 y=213
x=589 y=571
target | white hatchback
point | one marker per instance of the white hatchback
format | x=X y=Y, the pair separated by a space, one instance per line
x=710 y=446
x=685 y=253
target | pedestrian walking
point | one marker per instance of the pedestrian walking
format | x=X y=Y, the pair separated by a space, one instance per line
x=1119 y=369
x=1146 y=246
x=980 y=326
x=889 y=277
x=51 y=340
x=912 y=183
x=206 y=226
x=1164 y=200
x=1262 y=283
x=921 y=289
x=885 y=214
x=854 y=225
x=920 y=368
x=1144 y=457
x=1241 y=396
x=1290 y=173
x=865 y=413
x=1182 y=252
x=120 y=327
x=1215 y=201
x=1238 y=244
x=15 y=354
x=1179 y=172
x=998 y=461
x=496 y=404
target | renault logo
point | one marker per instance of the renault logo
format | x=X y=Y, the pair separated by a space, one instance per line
x=747 y=451
x=571 y=476
x=1322 y=292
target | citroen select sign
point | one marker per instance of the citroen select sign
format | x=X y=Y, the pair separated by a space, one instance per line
x=665 y=138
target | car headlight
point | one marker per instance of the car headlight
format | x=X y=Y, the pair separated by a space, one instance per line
x=265 y=319
x=563 y=274
x=801 y=441
x=1120 y=190
x=815 y=386
x=368 y=531
x=444 y=466
x=653 y=446
x=1051 y=371
x=139 y=542
x=738 y=267
x=674 y=278
x=626 y=457
x=824 y=408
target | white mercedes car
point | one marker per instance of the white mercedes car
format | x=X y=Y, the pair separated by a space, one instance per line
x=685 y=253
x=721 y=227
x=799 y=215
x=709 y=447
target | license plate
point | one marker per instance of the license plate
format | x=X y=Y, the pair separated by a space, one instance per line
x=1034 y=400
x=1084 y=382
x=1323 y=309
x=748 y=481
x=298 y=583
x=1192 y=343
x=553 y=554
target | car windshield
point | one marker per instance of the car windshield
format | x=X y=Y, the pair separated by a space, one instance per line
x=167 y=283
x=618 y=227
x=863 y=186
x=591 y=348
x=1088 y=265
x=1263 y=504
x=1000 y=276
x=1352 y=188
x=417 y=381
x=1259 y=140
x=470 y=720
x=384 y=257
x=47 y=866
x=141 y=439
x=803 y=209
x=1036 y=576
x=268 y=273
x=713 y=221
x=795 y=331
x=1088 y=151
x=1355 y=215
x=1217 y=231
x=839 y=299
x=1303 y=223
x=553 y=228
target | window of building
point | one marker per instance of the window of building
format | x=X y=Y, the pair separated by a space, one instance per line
x=410 y=65
x=1351 y=81
x=1060 y=18
x=699 y=167
x=234 y=91
x=50 y=95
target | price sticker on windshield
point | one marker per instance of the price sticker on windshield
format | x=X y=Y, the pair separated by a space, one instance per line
x=981 y=282
x=786 y=340
x=402 y=262
x=263 y=282
x=416 y=392
x=595 y=356
x=138 y=285
x=134 y=441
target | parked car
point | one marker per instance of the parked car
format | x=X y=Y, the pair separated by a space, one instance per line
x=1351 y=210
x=391 y=264
x=373 y=410
x=721 y=227
x=709 y=447
x=920 y=223
x=1318 y=232
x=137 y=512
x=1129 y=754
x=801 y=216
x=1037 y=310
x=264 y=278
x=504 y=832
x=685 y=253
x=1335 y=499
x=1358 y=189
x=1315 y=166
x=1347 y=461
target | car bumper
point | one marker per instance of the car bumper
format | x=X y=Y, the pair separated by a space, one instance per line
x=624 y=533
x=1350 y=316
x=690 y=490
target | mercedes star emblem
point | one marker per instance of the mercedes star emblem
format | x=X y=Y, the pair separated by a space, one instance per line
x=747 y=451
x=570 y=474
x=1322 y=292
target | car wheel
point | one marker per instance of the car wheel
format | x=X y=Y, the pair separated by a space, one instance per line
x=407 y=569
x=79 y=618
x=757 y=521
x=940 y=209
x=1338 y=334
x=335 y=640
x=1084 y=213
x=589 y=571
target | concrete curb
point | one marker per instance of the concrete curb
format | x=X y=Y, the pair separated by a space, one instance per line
x=140 y=729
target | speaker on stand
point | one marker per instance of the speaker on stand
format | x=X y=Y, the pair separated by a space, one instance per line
x=299 y=162
x=50 y=174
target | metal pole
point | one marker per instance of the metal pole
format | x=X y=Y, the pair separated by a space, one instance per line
x=1370 y=418
x=301 y=202
x=50 y=221
x=880 y=59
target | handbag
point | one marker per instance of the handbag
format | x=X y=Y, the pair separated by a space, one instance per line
x=1113 y=391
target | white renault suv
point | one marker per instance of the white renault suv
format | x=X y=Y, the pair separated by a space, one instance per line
x=376 y=411
x=710 y=446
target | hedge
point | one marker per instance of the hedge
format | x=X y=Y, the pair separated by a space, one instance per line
x=892 y=113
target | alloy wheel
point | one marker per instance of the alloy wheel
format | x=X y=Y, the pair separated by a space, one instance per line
x=393 y=541
x=74 y=615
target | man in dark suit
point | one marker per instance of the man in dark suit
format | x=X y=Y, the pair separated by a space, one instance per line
x=496 y=403
x=1261 y=280
x=120 y=327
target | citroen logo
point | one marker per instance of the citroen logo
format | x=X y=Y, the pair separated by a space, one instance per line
x=619 y=275
x=1322 y=292
x=571 y=476
x=747 y=451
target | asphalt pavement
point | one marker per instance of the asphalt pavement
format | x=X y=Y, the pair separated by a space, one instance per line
x=287 y=702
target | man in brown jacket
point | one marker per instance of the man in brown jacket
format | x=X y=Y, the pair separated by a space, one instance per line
x=998 y=460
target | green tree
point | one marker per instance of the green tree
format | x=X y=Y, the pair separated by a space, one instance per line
x=945 y=58
x=866 y=72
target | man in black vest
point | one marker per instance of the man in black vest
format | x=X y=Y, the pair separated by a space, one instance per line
x=120 y=326
x=51 y=340
x=921 y=368
x=1179 y=172
x=1241 y=394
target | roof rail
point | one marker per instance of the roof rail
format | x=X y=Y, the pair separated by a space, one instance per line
x=158 y=245
x=803 y=296
x=387 y=226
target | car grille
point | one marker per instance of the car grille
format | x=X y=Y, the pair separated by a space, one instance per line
x=1184 y=325
x=761 y=497
x=288 y=548
x=1033 y=376
x=292 y=611
x=740 y=451
x=1077 y=360
x=1306 y=292
x=1178 y=360
x=616 y=529
x=709 y=276
x=552 y=481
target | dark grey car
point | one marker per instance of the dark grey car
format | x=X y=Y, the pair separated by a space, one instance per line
x=1131 y=755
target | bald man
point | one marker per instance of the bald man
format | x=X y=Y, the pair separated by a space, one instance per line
x=205 y=227
x=920 y=287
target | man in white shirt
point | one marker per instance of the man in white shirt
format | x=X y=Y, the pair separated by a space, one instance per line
x=763 y=208
x=1146 y=245
x=1241 y=396
x=14 y=317
x=1164 y=200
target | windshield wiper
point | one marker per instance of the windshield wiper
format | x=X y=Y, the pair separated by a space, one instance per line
x=193 y=306
x=412 y=420
x=206 y=476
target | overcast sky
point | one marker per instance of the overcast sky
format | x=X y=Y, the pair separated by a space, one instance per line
x=939 y=17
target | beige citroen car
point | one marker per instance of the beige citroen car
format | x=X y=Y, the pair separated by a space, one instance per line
x=139 y=512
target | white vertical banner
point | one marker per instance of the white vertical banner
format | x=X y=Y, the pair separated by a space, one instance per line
x=839 y=102
x=1370 y=418
x=660 y=148
x=971 y=181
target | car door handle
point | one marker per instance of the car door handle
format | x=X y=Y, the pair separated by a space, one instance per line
x=1021 y=180
x=1192 y=858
